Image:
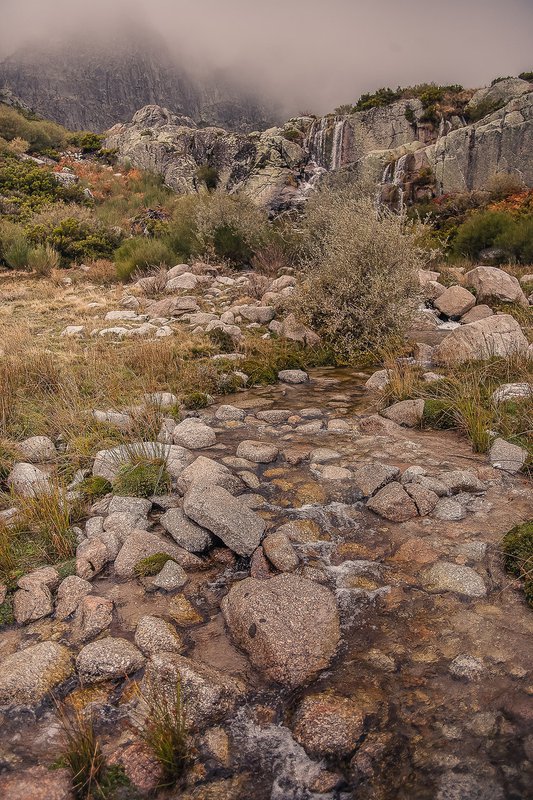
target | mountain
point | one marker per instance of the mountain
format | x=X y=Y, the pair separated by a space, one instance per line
x=94 y=82
x=401 y=148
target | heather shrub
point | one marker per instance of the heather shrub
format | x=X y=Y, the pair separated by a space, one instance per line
x=141 y=254
x=359 y=288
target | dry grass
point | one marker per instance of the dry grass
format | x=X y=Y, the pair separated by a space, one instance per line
x=81 y=752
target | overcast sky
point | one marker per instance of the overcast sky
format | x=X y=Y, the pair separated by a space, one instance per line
x=310 y=54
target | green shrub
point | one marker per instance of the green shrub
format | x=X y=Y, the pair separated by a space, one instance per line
x=141 y=254
x=41 y=134
x=483 y=109
x=81 y=752
x=360 y=287
x=7 y=616
x=95 y=486
x=382 y=97
x=526 y=76
x=76 y=240
x=517 y=239
x=518 y=556
x=438 y=414
x=222 y=340
x=512 y=234
x=196 y=400
x=86 y=141
x=15 y=248
x=28 y=187
x=43 y=259
x=142 y=477
x=208 y=176
x=231 y=244
x=151 y=565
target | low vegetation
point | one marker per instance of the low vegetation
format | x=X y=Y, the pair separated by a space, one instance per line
x=517 y=547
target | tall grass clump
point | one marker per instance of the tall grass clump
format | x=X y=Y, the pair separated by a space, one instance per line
x=517 y=547
x=82 y=753
x=359 y=289
x=164 y=728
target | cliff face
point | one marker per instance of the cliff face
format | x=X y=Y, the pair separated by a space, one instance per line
x=392 y=147
x=90 y=85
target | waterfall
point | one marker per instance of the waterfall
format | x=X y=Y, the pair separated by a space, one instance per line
x=395 y=174
x=338 y=143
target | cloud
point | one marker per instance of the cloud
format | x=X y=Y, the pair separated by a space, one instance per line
x=307 y=54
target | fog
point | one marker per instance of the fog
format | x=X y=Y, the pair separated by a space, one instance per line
x=306 y=54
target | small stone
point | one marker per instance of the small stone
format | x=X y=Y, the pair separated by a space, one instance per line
x=378 y=380
x=171 y=577
x=461 y=480
x=138 y=546
x=71 y=591
x=371 y=477
x=153 y=635
x=33 y=604
x=323 y=454
x=183 y=612
x=37 y=449
x=407 y=412
x=229 y=413
x=447 y=577
x=449 y=510
x=194 y=434
x=29 y=481
x=328 y=725
x=468 y=667
x=185 y=532
x=280 y=552
x=425 y=500
x=274 y=416
x=293 y=376
x=507 y=456
x=28 y=675
x=107 y=659
x=93 y=615
x=257 y=452
x=512 y=391
x=393 y=503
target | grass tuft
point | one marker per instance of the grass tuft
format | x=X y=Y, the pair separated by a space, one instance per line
x=151 y=565
x=518 y=556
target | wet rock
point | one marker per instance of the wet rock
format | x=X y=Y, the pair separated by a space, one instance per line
x=371 y=477
x=328 y=472
x=93 y=615
x=183 y=612
x=425 y=499
x=507 y=456
x=446 y=577
x=229 y=413
x=227 y=517
x=393 y=503
x=499 y=335
x=37 y=449
x=467 y=667
x=293 y=376
x=321 y=455
x=274 y=416
x=457 y=786
x=280 y=552
x=28 y=675
x=171 y=577
x=215 y=747
x=289 y=626
x=140 y=545
x=408 y=413
x=328 y=725
x=375 y=425
x=194 y=434
x=449 y=510
x=260 y=567
x=185 y=532
x=28 y=480
x=257 y=452
x=107 y=659
x=71 y=591
x=37 y=783
x=491 y=283
x=455 y=301
x=211 y=695
x=207 y=472
x=141 y=767
x=153 y=635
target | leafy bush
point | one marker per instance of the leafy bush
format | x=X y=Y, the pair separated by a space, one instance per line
x=41 y=134
x=514 y=235
x=28 y=187
x=86 y=141
x=141 y=254
x=76 y=240
x=382 y=97
x=483 y=109
x=360 y=284
x=142 y=477
x=526 y=76
x=15 y=248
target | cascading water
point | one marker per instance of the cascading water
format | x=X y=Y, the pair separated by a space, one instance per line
x=337 y=149
x=395 y=174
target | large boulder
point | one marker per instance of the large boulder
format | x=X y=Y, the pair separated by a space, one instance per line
x=455 y=301
x=288 y=625
x=107 y=659
x=28 y=480
x=491 y=283
x=499 y=335
x=28 y=675
x=406 y=412
x=214 y=508
x=140 y=545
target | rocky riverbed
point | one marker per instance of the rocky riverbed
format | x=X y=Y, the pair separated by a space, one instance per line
x=334 y=605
